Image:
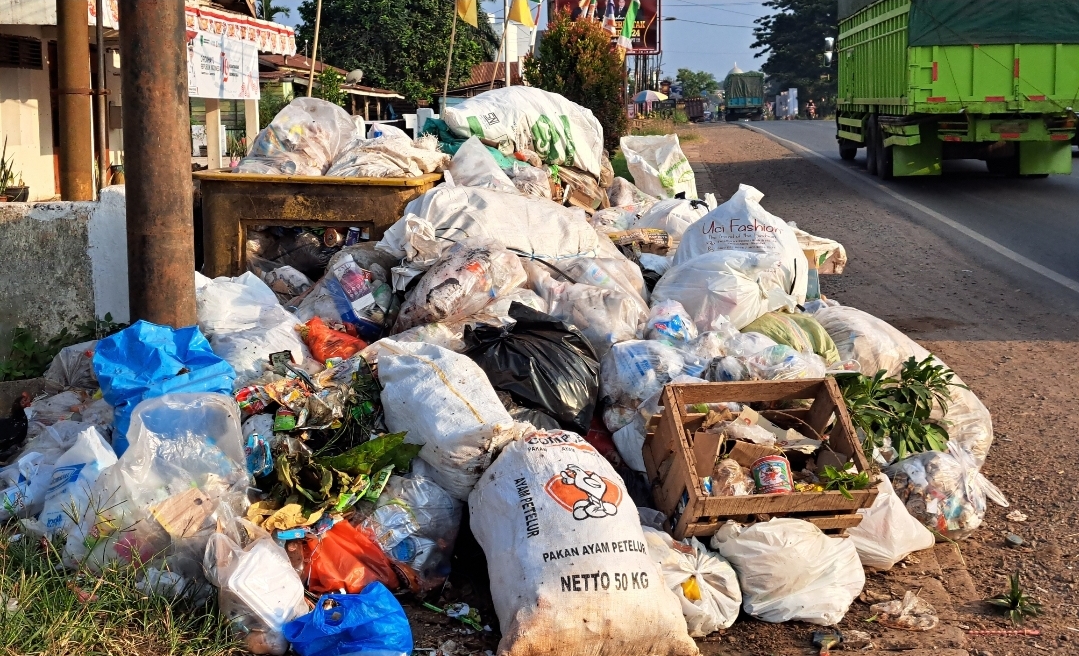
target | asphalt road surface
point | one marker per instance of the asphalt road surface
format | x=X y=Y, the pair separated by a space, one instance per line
x=1028 y=223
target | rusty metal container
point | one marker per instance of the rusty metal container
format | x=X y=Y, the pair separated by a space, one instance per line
x=232 y=202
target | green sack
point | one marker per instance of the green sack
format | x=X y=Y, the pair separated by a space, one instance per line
x=799 y=331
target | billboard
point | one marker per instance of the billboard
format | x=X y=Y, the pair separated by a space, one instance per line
x=646 y=27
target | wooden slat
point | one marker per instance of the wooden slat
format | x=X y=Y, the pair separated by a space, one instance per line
x=825 y=523
x=775 y=390
x=770 y=504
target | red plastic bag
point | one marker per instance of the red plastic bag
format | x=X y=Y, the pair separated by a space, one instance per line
x=345 y=557
x=326 y=343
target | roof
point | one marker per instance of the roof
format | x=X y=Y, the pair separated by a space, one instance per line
x=293 y=63
x=274 y=67
x=484 y=71
x=735 y=70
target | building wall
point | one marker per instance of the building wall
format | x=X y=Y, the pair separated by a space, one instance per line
x=26 y=116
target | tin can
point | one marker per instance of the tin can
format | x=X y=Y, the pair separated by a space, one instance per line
x=352 y=237
x=332 y=238
x=772 y=475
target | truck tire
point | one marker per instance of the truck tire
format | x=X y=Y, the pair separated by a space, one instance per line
x=884 y=157
x=871 y=146
x=848 y=150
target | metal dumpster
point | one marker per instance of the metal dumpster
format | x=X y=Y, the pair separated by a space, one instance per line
x=232 y=202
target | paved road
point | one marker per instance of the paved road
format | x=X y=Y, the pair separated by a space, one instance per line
x=1038 y=220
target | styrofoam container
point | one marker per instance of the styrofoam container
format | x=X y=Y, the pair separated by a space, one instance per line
x=267 y=583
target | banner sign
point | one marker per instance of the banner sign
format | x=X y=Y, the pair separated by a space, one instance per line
x=646 y=26
x=218 y=67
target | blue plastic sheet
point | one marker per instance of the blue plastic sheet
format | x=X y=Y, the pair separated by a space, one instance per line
x=371 y=622
x=147 y=360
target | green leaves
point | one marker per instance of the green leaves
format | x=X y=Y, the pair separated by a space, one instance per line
x=901 y=410
x=29 y=355
x=1018 y=606
x=793 y=40
x=696 y=84
x=842 y=480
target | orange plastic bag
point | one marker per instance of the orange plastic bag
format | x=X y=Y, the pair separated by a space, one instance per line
x=345 y=557
x=326 y=343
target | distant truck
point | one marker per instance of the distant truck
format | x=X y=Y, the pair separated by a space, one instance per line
x=922 y=81
x=744 y=94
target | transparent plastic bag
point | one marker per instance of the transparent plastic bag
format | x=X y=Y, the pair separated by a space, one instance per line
x=415 y=522
x=888 y=533
x=74 y=474
x=465 y=279
x=623 y=193
x=737 y=285
x=473 y=166
x=530 y=180
x=303 y=139
x=635 y=370
x=781 y=362
x=669 y=323
x=160 y=501
x=612 y=219
x=73 y=366
x=944 y=490
x=388 y=156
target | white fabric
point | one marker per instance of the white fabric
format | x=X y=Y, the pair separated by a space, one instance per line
x=737 y=285
x=569 y=568
x=533 y=119
x=888 y=533
x=658 y=166
x=742 y=224
x=790 y=571
x=833 y=254
x=474 y=166
x=716 y=595
x=245 y=324
x=535 y=226
x=389 y=156
x=445 y=403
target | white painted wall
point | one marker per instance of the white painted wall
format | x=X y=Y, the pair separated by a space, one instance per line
x=107 y=249
x=26 y=118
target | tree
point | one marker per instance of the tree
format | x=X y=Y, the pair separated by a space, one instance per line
x=696 y=84
x=577 y=60
x=793 y=40
x=399 y=44
x=267 y=10
x=329 y=86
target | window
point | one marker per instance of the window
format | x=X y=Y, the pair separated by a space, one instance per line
x=20 y=52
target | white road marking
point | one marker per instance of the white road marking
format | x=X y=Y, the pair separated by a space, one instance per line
x=976 y=236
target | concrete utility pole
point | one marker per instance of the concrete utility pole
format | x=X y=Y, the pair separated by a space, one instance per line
x=73 y=76
x=101 y=136
x=157 y=143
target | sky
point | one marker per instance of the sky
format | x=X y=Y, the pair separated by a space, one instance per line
x=685 y=44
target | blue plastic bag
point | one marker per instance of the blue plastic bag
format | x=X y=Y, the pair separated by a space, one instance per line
x=371 y=622
x=147 y=360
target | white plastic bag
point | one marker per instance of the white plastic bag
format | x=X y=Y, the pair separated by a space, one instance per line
x=673 y=216
x=944 y=490
x=741 y=224
x=468 y=276
x=474 y=166
x=629 y=439
x=669 y=323
x=705 y=584
x=791 y=571
x=559 y=131
x=888 y=533
x=388 y=156
x=781 y=362
x=445 y=403
x=303 y=139
x=535 y=226
x=67 y=499
x=24 y=484
x=569 y=568
x=658 y=166
x=245 y=324
x=736 y=285
x=73 y=366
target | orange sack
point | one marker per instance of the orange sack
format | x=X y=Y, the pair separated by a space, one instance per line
x=345 y=557
x=326 y=343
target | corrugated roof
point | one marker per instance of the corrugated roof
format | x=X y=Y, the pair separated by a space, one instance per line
x=484 y=71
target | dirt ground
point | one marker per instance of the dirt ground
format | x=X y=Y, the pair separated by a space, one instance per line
x=1009 y=343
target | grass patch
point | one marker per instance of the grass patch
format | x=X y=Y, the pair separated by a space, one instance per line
x=48 y=610
x=618 y=162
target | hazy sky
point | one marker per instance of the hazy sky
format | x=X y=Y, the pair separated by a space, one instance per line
x=685 y=45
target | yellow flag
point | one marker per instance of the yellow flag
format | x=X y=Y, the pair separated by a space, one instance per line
x=520 y=13
x=466 y=9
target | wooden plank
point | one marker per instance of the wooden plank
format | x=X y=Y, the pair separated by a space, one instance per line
x=228 y=176
x=825 y=523
x=756 y=504
x=775 y=390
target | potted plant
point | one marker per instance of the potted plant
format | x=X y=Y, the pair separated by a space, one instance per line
x=18 y=193
x=235 y=149
x=7 y=176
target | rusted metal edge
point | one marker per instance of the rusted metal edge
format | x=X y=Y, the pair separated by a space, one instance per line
x=224 y=175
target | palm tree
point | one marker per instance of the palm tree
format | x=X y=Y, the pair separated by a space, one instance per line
x=267 y=10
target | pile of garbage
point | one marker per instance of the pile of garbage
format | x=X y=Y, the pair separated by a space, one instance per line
x=307 y=450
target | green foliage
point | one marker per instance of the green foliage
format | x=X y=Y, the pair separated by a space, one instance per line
x=793 y=40
x=696 y=84
x=271 y=102
x=48 y=609
x=399 y=44
x=842 y=480
x=900 y=409
x=576 y=59
x=267 y=10
x=30 y=355
x=235 y=146
x=7 y=169
x=1018 y=606
x=329 y=86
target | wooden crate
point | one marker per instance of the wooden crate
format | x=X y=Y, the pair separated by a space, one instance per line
x=672 y=453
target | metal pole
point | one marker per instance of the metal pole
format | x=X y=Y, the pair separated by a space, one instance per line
x=101 y=135
x=506 y=31
x=73 y=55
x=157 y=142
x=314 y=49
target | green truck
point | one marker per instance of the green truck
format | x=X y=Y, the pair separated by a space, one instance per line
x=744 y=95
x=921 y=81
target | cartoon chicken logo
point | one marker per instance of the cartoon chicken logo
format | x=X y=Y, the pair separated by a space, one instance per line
x=586 y=494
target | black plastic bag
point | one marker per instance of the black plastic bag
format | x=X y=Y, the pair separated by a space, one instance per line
x=543 y=363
